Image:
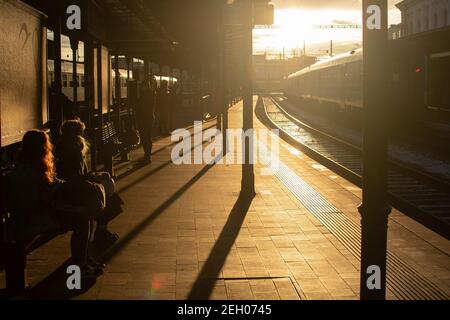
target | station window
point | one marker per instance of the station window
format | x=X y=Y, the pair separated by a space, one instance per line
x=64 y=78
x=82 y=80
x=50 y=35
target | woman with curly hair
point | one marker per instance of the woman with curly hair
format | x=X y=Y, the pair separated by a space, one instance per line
x=32 y=187
x=71 y=150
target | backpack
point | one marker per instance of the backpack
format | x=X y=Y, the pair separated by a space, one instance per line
x=79 y=195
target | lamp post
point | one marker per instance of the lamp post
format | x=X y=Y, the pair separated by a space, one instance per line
x=374 y=209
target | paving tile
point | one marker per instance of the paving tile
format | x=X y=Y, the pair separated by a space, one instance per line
x=163 y=253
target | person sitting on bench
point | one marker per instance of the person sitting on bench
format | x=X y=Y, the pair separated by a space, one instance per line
x=32 y=185
x=71 y=151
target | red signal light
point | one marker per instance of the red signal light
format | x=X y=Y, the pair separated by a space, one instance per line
x=418 y=70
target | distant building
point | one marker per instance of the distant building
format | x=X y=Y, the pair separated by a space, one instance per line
x=424 y=15
x=422 y=53
x=395 y=31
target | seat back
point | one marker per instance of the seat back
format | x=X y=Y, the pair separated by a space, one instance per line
x=108 y=132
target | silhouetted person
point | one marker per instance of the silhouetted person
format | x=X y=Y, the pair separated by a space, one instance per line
x=129 y=136
x=71 y=152
x=33 y=184
x=162 y=104
x=174 y=104
x=145 y=117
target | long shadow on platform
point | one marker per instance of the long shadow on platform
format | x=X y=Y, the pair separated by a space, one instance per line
x=158 y=211
x=54 y=287
x=204 y=284
x=139 y=165
x=158 y=168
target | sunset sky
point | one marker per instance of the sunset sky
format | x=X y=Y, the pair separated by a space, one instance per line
x=297 y=22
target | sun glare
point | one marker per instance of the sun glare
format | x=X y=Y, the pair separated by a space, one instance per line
x=294 y=28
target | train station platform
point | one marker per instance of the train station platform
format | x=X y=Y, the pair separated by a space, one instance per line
x=186 y=233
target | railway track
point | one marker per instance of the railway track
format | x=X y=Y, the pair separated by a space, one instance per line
x=422 y=197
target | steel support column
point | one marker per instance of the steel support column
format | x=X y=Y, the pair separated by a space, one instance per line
x=223 y=108
x=374 y=208
x=58 y=112
x=74 y=47
x=89 y=80
x=248 y=177
x=100 y=84
x=89 y=98
x=118 y=91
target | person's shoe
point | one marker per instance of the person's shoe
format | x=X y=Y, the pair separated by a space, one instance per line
x=147 y=159
x=88 y=271
x=95 y=264
x=103 y=238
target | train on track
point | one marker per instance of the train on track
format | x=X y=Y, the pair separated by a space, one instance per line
x=67 y=84
x=337 y=81
x=337 y=84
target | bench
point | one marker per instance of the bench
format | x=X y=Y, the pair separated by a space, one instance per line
x=110 y=146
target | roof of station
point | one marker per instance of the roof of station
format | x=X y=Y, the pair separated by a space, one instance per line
x=171 y=32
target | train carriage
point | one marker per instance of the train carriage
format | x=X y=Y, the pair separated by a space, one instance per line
x=336 y=81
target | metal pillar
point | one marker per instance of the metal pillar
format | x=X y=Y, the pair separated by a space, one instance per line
x=117 y=89
x=248 y=176
x=88 y=79
x=89 y=98
x=99 y=84
x=74 y=47
x=374 y=208
x=58 y=112
x=223 y=85
x=129 y=61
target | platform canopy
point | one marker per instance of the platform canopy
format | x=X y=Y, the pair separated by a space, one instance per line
x=181 y=33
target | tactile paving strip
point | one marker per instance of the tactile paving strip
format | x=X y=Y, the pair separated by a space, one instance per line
x=405 y=282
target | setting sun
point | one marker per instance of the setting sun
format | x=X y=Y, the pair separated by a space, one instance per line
x=295 y=27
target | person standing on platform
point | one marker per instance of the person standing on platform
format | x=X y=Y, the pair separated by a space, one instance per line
x=174 y=104
x=163 y=108
x=145 y=117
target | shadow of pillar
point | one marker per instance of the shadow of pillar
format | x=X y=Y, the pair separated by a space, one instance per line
x=204 y=284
